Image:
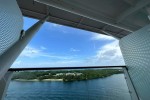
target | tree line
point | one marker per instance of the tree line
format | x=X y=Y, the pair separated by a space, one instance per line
x=66 y=75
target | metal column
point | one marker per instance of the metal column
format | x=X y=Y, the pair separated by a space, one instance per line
x=8 y=57
x=4 y=83
x=132 y=91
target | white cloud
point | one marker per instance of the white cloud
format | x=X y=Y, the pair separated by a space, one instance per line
x=59 y=63
x=109 y=54
x=97 y=36
x=74 y=50
x=18 y=62
x=25 y=59
x=43 y=48
x=32 y=52
x=62 y=63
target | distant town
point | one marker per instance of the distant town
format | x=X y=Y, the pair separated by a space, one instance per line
x=65 y=75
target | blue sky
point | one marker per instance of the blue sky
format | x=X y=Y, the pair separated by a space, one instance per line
x=58 y=46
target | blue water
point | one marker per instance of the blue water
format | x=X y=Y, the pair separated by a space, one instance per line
x=110 y=88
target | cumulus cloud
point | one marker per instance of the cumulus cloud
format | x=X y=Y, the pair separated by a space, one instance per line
x=97 y=36
x=109 y=54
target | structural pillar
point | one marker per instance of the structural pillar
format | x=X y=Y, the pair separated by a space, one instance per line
x=4 y=83
x=9 y=56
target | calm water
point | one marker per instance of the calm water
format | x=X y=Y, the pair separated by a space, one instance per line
x=110 y=88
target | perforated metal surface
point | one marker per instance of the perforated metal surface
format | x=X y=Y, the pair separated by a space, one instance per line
x=136 y=51
x=11 y=23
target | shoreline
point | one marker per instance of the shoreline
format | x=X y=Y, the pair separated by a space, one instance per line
x=36 y=80
x=54 y=80
x=64 y=76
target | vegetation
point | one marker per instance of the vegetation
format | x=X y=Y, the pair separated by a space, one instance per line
x=67 y=75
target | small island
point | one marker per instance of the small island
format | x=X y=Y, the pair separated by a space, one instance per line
x=64 y=75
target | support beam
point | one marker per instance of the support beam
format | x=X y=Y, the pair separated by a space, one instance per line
x=4 y=83
x=132 y=91
x=139 y=5
x=72 y=7
x=7 y=58
x=94 y=29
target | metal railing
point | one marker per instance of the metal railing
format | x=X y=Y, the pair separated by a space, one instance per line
x=62 y=68
x=131 y=87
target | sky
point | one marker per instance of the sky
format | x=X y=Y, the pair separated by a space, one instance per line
x=56 y=45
